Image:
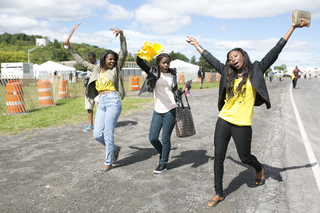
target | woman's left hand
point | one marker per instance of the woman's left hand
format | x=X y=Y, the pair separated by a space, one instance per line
x=117 y=31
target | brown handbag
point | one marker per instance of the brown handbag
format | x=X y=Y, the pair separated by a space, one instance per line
x=184 y=120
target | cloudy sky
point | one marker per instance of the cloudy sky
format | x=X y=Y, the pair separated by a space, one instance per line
x=218 y=25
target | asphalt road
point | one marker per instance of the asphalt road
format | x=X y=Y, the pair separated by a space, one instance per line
x=55 y=170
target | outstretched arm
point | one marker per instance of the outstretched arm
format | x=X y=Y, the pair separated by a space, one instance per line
x=292 y=28
x=78 y=58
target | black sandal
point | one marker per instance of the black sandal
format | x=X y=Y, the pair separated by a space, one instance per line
x=260 y=181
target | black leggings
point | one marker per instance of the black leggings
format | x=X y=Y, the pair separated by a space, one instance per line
x=242 y=137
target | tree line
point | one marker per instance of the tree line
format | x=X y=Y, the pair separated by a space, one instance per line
x=14 y=48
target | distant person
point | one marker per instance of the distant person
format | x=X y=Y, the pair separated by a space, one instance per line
x=106 y=81
x=70 y=77
x=305 y=74
x=242 y=86
x=296 y=72
x=55 y=73
x=270 y=75
x=201 y=76
x=88 y=102
x=309 y=74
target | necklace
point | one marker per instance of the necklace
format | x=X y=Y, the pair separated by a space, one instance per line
x=240 y=75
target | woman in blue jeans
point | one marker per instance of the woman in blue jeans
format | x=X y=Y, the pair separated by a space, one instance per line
x=162 y=81
x=106 y=81
x=242 y=86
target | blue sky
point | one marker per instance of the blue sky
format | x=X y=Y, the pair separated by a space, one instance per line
x=218 y=25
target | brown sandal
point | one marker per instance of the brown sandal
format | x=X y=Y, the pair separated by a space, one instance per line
x=260 y=181
x=213 y=203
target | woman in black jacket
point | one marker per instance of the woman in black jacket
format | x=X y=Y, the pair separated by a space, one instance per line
x=162 y=81
x=242 y=86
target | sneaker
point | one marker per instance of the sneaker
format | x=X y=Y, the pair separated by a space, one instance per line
x=88 y=128
x=160 y=169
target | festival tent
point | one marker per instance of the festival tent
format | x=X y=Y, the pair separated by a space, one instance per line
x=49 y=67
x=190 y=71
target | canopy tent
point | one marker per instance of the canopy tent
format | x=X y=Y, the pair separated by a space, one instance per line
x=41 y=71
x=190 y=71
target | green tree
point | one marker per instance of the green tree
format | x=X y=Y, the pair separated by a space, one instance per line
x=179 y=56
x=193 y=60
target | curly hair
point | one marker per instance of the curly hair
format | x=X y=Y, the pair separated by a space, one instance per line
x=232 y=73
x=104 y=56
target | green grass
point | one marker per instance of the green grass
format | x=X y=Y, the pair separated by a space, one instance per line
x=66 y=111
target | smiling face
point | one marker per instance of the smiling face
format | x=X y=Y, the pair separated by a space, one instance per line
x=164 y=64
x=235 y=59
x=110 y=61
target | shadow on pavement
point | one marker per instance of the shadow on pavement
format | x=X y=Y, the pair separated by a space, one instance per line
x=194 y=157
x=246 y=177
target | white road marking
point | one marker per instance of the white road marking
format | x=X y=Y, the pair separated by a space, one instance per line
x=307 y=144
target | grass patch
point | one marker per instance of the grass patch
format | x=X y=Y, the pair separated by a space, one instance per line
x=66 y=111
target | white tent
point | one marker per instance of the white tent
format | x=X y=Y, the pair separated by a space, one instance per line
x=41 y=71
x=190 y=71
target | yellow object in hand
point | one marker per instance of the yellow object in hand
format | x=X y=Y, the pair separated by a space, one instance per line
x=149 y=51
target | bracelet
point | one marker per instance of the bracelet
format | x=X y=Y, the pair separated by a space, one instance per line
x=199 y=48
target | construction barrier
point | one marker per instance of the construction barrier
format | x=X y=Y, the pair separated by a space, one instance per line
x=217 y=77
x=181 y=79
x=45 y=93
x=63 y=89
x=135 y=83
x=208 y=77
x=198 y=80
x=15 y=102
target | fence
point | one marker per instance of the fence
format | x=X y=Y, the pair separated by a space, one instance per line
x=31 y=96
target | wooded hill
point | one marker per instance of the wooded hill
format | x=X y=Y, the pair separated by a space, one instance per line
x=14 y=48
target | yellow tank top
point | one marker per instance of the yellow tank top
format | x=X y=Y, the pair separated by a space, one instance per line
x=104 y=83
x=239 y=109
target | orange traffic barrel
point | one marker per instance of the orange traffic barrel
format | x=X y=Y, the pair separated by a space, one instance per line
x=135 y=83
x=45 y=93
x=208 y=77
x=15 y=102
x=181 y=79
x=63 y=89
x=217 y=77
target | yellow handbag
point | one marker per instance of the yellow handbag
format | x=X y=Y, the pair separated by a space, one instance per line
x=298 y=14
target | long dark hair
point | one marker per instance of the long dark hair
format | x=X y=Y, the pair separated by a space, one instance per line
x=159 y=58
x=104 y=56
x=232 y=73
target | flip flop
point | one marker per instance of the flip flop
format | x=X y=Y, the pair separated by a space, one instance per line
x=213 y=203
x=115 y=157
x=102 y=170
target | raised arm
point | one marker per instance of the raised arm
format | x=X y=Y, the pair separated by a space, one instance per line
x=78 y=58
x=215 y=63
x=123 y=47
x=292 y=28
x=143 y=65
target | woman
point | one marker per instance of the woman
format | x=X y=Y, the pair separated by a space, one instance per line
x=242 y=86
x=296 y=72
x=162 y=81
x=106 y=81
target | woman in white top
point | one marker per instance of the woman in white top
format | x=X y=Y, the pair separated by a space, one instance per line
x=162 y=81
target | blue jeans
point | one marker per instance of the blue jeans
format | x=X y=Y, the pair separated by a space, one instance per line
x=107 y=115
x=166 y=121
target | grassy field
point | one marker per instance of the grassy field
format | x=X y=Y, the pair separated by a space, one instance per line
x=66 y=111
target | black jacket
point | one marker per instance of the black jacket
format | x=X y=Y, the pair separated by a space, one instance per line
x=153 y=76
x=256 y=74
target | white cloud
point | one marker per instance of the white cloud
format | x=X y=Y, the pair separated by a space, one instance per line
x=53 y=10
x=117 y=12
x=161 y=21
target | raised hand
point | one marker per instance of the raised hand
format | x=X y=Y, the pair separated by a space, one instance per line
x=116 y=31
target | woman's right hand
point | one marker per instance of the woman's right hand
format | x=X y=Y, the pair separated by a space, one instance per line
x=192 y=41
x=68 y=45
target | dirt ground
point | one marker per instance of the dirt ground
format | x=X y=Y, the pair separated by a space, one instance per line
x=55 y=169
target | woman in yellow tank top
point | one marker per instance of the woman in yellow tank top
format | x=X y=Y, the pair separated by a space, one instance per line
x=242 y=86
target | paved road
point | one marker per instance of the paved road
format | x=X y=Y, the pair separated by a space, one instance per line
x=55 y=170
